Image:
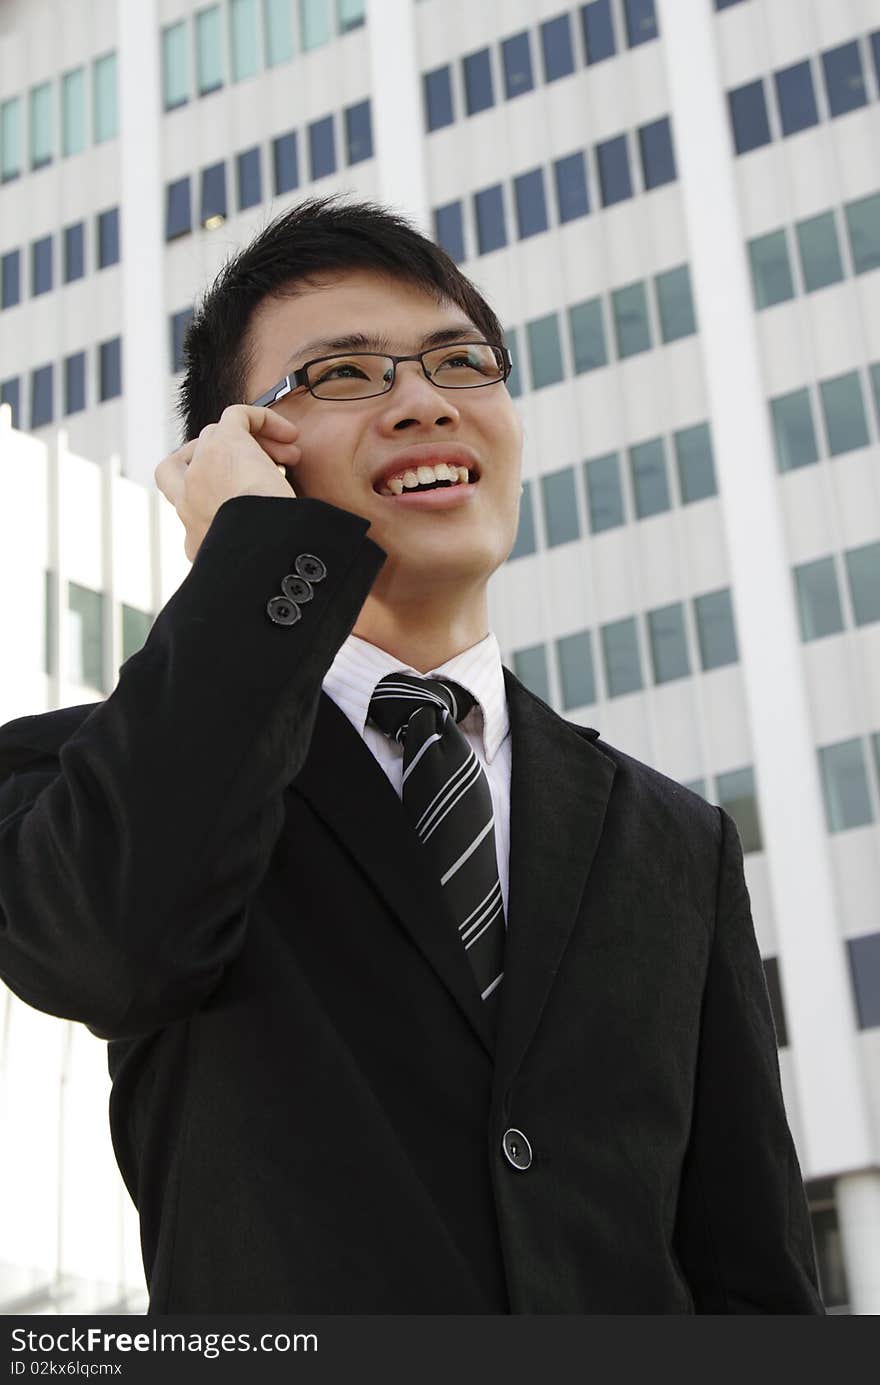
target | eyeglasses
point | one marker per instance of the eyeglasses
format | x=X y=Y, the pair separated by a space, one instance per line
x=464 y=365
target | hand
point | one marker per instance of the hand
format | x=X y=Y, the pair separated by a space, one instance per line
x=246 y=453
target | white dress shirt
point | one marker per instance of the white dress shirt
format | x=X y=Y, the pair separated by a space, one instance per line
x=351 y=681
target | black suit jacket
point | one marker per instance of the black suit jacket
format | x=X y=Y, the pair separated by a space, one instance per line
x=211 y=871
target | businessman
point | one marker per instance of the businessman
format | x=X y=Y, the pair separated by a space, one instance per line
x=418 y=997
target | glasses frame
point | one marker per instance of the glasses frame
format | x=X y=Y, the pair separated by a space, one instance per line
x=299 y=378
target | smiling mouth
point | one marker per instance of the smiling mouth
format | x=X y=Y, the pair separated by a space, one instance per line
x=424 y=478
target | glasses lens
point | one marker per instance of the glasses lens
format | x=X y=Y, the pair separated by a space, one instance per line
x=463 y=366
x=358 y=377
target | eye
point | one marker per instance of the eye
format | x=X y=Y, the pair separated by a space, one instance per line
x=333 y=371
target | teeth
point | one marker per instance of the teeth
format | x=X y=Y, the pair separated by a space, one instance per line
x=462 y=473
x=410 y=478
x=395 y=485
x=424 y=476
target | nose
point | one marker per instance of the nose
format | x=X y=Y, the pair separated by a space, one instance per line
x=413 y=398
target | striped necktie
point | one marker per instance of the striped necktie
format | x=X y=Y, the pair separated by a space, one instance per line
x=446 y=794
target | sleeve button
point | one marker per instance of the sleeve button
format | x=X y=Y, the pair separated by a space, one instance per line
x=310 y=567
x=297 y=588
x=282 y=611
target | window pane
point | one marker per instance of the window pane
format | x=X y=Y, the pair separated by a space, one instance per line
x=845 y=781
x=110 y=369
x=604 y=492
x=108 y=237
x=561 y=522
x=771 y=272
x=209 y=50
x=315 y=25
x=818 y=599
x=648 y=470
x=478 y=90
x=587 y=335
x=748 y=115
x=796 y=98
x=135 y=629
x=516 y=58
x=844 y=411
x=41 y=125
x=875 y=49
x=571 y=186
x=576 y=675
x=277 y=31
x=42 y=396
x=675 y=304
x=615 y=182
x=513 y=383
x=10 y=394
x=349 y=14
x=74 y=252
x=285 y=162
x=696 y=468
x=525 y=534
x=177 y=209
x=793 y=430
x=10 y=138
x=10 y=279
x=85 y=627
x=658 y=159
x=735 y=792
x=213 y=199
x=179 y=323
x=863 y=572
x=545 y=351
x=449 y=230
x=530 y=667
x=774 y=994
x=844 y=78
x=41 y=266
x=175 y=66
x=243 y=38
x=863 y=224
x=875 y=383
x=620 y=654
x=631 y=326
x=669 y=654
x=598 y=30
x=717 y=637
x=322 y=147
x=489 y=212
x=250 y=178
x=864 y=959
x=438 y=99
x=358 y=133
x=556 y=48
x=820 y=252
x=75 y=382
x=641 y=21
x=531 y=205
x=104 y=92
x=73 y=111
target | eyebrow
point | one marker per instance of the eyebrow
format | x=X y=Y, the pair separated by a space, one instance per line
x=371 y=341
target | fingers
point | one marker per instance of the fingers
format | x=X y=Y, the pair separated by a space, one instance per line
x=259 y=419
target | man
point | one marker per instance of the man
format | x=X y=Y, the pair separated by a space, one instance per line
x=241 y=868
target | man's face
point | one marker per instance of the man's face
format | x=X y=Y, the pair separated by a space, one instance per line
x=348 y=445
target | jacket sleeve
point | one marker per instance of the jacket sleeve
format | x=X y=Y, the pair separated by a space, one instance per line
x=743 y=1230
x=129 y=853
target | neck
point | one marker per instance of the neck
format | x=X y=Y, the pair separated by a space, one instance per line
x=426 y=631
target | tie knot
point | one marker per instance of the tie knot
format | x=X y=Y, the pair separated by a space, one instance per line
x=398 y=696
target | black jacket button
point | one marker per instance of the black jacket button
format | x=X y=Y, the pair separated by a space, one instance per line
x=297 y=588
x=517 y=1149
x=283 y=611
x=310 y=567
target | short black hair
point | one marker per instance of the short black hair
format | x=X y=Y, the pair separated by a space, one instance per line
x=318 y=235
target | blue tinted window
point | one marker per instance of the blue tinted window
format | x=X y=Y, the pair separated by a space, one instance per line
x=285 y=162
x=10 y=393
x=604 y=492
x=570 y=174
x=771 y=271
x=598 y=30
x=449 y=230
x=108 y=237
x=675 y=304
x=658 y=159
x=647 y=463
x=844 y=78
x=735 y=792
x=748 y=114
x=863 y=574
x=213 y=193
x=696 y=468
x=620 y=653
x=110 y=368
x=556 y=48
x=322 y=148
x=844 y=410
x=531 y=205
x=525 y=534
x=561 y=522
x=545 y=351
x=10 y=279
x=179 y=323
x=587 y=327
x=250 y=178
x=796 y=97
x=491 y=228
x=668 y=643
x=42 y=391
x=864 y=960
x=576 y=676
x=615 y=182
x=715 y=630
x=516 y=58
x=793 y=430
x=438 y=98
x=845 y=781
x=75 y=383
x=820 y=251
x=358 y=133
x=513 y=382
x=178 y=217
x=41 y=266
x=863 y=224
x=641 y=21
x=818 y=598
x=74 y=243
x=478 y=91
x=530 y=667
x=631 y=324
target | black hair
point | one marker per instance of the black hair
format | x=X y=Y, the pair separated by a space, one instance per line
x=318 y=235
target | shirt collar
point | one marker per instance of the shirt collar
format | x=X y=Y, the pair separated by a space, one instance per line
x=358 y=667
